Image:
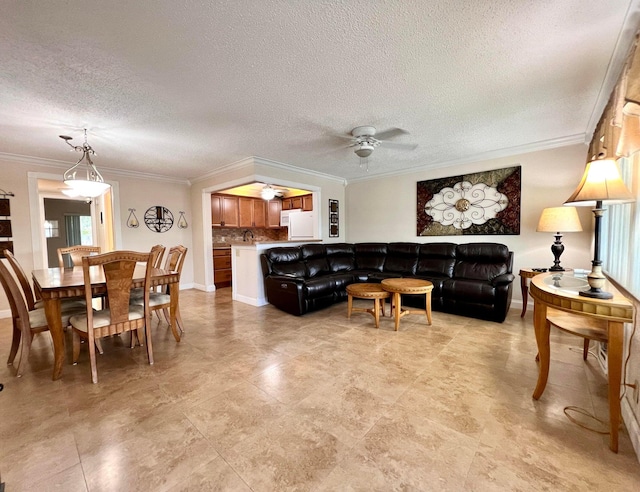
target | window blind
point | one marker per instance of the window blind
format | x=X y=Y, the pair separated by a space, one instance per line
x=620 y=235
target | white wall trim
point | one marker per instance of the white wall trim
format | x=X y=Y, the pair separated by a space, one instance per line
x=632 y=426
x=253 y=160
x=54 y=163
x=204 y=288
x=493 y=154
x=5 y=313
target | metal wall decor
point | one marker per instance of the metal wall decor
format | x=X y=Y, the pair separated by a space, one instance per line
x=479 y=203
x=182 y=222
x=158 y=219
x=132 y=220
x=334 y=218
x=6 y=232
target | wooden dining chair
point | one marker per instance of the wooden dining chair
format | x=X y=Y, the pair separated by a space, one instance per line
x=75 y=254
x=162 y=300
x=26 y=322
x=120 y=316
x=31 y=298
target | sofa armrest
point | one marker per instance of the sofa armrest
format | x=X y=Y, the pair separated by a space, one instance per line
x=504 y=279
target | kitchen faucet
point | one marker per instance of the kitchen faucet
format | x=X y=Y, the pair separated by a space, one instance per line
x=245 y=233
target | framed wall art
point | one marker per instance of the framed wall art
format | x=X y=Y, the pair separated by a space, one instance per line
x=486 y=202
x=334 y=220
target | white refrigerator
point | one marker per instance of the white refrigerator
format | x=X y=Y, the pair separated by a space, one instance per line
x=301 y=226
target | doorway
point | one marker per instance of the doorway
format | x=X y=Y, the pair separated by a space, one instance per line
x=66 y=223
x=101 y=212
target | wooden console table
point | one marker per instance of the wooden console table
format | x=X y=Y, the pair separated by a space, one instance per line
x=559 y=290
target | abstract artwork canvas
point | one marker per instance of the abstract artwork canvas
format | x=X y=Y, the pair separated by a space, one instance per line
x=486 y=202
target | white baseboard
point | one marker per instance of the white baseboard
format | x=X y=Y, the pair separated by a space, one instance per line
x=250 y=300
x=5 y=313
x=204 y=288
x=633 y=426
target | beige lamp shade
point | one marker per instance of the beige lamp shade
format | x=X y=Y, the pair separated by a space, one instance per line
x=601 y=181
x=559 y=219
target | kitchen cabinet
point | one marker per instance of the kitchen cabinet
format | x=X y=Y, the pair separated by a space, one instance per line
x=251 y=212
x=224 y=210
x=222 y=274
x=273 y=213
x=304 y=202
x=307 y=203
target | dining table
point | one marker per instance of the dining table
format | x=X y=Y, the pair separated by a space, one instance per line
x=55 y=284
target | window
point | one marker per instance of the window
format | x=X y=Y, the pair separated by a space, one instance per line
x=620 y=238
x=51 y=228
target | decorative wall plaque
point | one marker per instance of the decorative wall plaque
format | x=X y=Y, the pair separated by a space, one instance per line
x=334 y=221
x=479 y=203
x=5 y=245
x=5 y=228
x=158 y=219
x=5 y=207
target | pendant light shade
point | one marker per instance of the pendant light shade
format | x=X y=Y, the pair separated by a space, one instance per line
x=88 y=183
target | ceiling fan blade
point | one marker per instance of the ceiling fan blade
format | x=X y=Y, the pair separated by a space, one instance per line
x=390 y=133
x=395 y=145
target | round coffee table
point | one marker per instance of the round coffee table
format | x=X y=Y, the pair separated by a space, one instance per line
x=399 y=286
x=367 y=291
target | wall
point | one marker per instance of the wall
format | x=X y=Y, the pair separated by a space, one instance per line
x=248 y=170
x=548 y=179
x=139 y=192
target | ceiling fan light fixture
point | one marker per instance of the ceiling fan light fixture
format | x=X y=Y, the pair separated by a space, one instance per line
x=93 y=184
x=268 y=193
x=364 y=149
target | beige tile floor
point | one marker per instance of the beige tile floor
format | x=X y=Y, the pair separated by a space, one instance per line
x=255 y=399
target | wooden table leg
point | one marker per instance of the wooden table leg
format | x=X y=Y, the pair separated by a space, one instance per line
x=398 y=308
x=542 y=328
x=349 y=305
x=525 y=294
x=614 y=369
x=376 y=311
x=428 y=307
x=54 y=320
x=174 y=292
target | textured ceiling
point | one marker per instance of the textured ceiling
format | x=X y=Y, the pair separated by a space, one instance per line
x=181 y=88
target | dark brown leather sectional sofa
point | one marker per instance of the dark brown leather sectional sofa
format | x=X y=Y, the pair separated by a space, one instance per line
x=473 y=279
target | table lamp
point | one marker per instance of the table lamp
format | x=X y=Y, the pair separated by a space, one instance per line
x=600 y=184
x=558 y=220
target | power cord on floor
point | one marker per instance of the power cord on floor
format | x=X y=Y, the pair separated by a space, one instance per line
x=586 y=414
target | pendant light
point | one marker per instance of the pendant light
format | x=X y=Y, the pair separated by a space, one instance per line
x=90 y=186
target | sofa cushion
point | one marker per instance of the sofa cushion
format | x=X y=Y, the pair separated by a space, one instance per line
x=436 y=259
x=401 y=258
x=340 y=257
x=370 y=256
x=317 y=266
x=319 y=287
x=283 y=255
x=481 y=261
x=290 y=269
x=309 y=251
x=469 y=291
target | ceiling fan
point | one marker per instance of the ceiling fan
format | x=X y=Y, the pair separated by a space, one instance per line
x=364 y=140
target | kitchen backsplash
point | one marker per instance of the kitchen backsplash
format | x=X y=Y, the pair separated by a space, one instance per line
x=234 y=234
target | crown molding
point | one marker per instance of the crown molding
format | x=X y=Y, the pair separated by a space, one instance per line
x=253 y=160
x=484 y=156
x=54 y=163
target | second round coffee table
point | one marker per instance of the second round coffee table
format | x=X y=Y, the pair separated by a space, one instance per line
x=399 y=286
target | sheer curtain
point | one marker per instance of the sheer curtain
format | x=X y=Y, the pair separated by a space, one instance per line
x=621 y=232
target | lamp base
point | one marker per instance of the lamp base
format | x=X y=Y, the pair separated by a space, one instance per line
x=556 y=268
x=596 y=294
x=596 y=281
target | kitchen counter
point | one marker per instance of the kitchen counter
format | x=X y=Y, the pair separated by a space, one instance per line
x=248 y=284
x=275 y=243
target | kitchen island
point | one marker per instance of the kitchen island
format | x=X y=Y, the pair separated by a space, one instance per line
x=248 y=281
